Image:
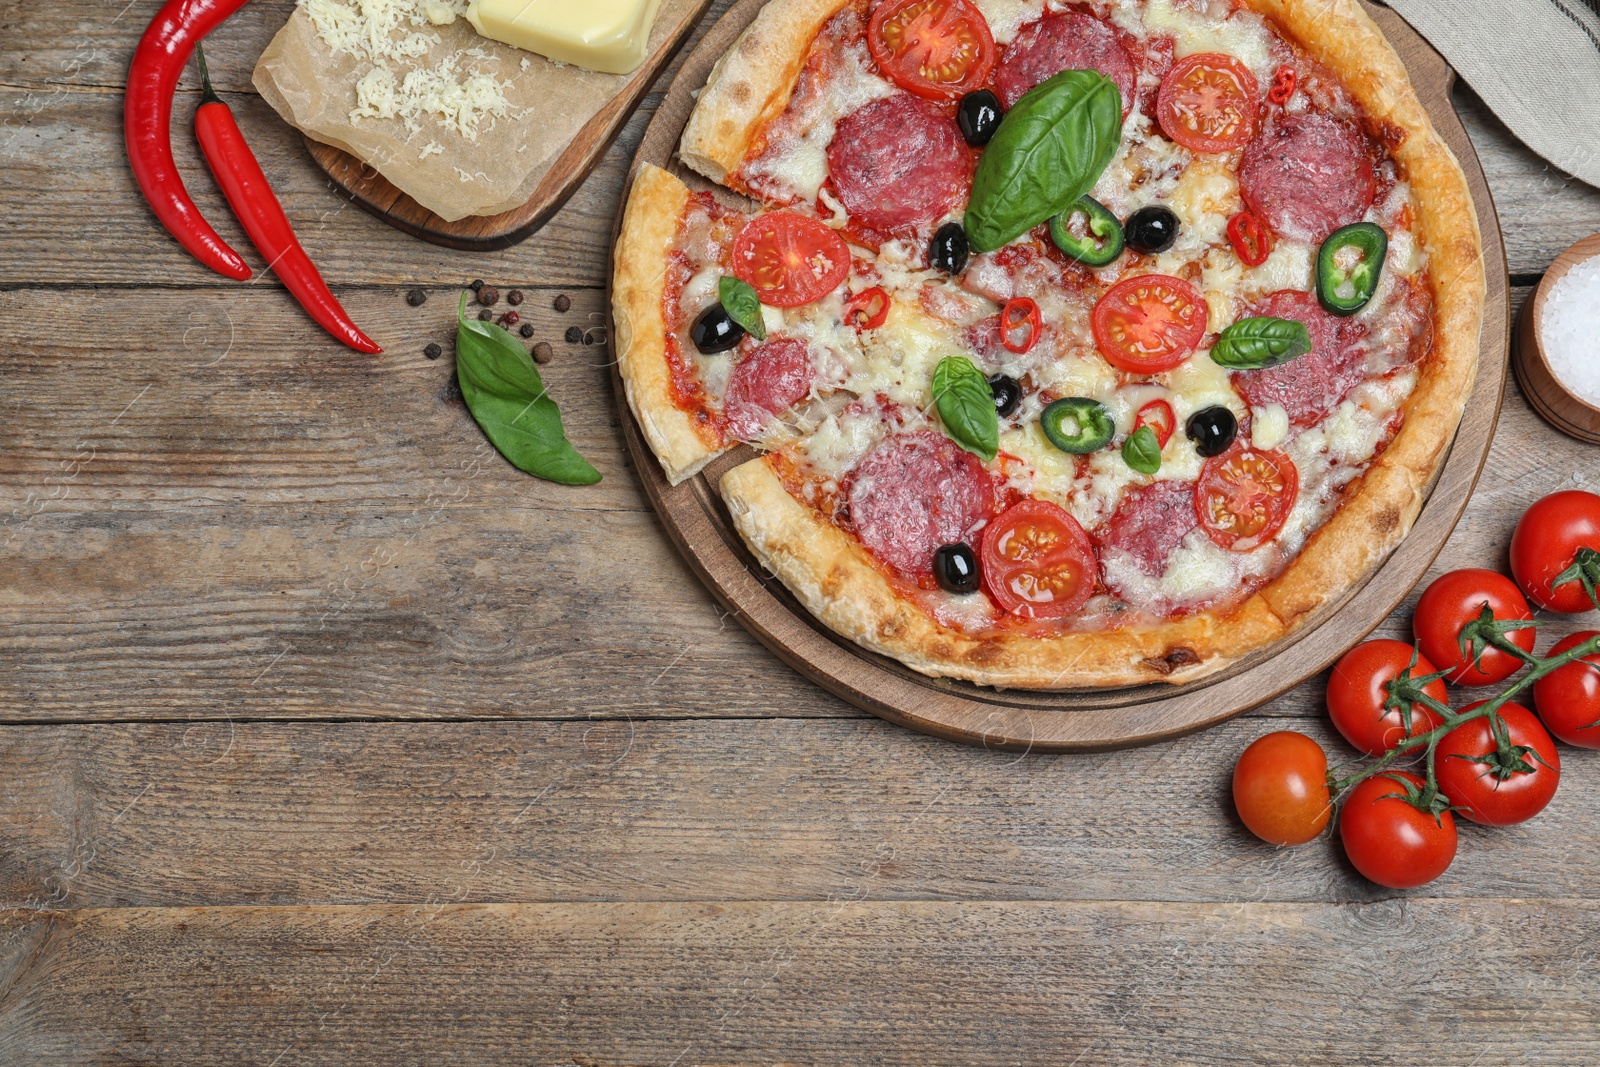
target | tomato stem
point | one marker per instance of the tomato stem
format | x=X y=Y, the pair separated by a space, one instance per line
x=1489 y=709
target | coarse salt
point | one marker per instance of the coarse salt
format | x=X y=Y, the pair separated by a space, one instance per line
x=1569 y=327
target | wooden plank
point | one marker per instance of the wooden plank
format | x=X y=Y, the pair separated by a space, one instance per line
x=174 y=523
x=63 y=148
x=385 y=813
x=67 y=151
x=1399 y=982
x=234 y=396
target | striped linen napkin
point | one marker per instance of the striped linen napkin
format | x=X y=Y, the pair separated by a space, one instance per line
x=1536 y=63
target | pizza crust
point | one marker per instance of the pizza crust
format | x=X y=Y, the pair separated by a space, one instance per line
x=834 y=577
x=837 y=580
x=649 y=227
x=751 y=84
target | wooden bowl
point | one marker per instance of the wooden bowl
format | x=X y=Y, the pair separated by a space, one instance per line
x=1549 y=397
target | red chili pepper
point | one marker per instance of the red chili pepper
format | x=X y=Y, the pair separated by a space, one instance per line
x=1251 y=240
x=1019 y=312
x=868 y=309
x=162 y=53
x=1157 y=415
x=1283 y=83
x=252 y=199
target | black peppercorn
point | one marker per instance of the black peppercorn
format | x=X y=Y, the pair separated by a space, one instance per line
x=514 y=297
x=433 y=351
x=475 y=284
x=574 y=335
x=488 y=296
x=527 y=329
x=416 y=298
x=563 y=303
x=485 y=315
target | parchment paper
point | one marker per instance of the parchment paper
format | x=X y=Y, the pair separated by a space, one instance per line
x=314 y=90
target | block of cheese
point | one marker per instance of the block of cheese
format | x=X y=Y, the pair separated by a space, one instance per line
x=611 y=36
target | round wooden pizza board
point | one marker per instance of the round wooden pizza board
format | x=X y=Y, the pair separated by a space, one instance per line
x=1076 y=720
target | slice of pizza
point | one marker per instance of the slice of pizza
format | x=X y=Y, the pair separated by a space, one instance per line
x=1104 y=343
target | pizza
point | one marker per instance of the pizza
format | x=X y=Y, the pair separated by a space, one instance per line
x=1057 y=345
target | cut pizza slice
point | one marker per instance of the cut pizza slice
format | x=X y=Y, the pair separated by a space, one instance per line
x=698 y=380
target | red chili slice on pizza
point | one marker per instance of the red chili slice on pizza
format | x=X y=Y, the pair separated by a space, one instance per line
x=1046 y=389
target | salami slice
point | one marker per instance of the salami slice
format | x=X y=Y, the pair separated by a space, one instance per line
x=1308 y=174
x=1070 y=41
x=1311 y=385
x=1151 y=523
x=914 y=493
x=899 y=163
x=770 y=380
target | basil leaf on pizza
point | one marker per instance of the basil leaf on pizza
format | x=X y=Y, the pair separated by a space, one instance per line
x=738 y=298
x=1050 y=149
x=966 y=406
x=1142 y=451
x=1261 y=342
x=508 y=399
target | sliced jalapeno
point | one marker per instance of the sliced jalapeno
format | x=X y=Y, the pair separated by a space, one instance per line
x=1349 y=265
x=1103 y=241
x=1078 y=425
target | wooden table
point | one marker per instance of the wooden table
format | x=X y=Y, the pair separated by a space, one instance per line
x=328 y=738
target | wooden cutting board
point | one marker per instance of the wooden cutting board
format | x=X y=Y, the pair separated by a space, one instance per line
x=1078 y=720
x=484 y=233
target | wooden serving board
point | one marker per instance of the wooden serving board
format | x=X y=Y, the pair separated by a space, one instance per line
x=1089 y=719
x=486 y=233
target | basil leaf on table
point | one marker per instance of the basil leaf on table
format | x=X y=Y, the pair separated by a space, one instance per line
x=966 y=406
x=1261 y=342
x=508 y=399
x=1050 y=150
x=1142 y=451
x=743 y=305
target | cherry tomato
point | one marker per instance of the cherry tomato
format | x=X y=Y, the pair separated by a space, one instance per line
x=1038 y=562
x=937 y=49
x=1568 y=699
x=790 y=259
x=1280 y=787
x=1547 y=543
x=1159 y=417
x=1245 y=496
x=1391 y=841
x=1455 y=601
x=1357 y=697
x=1149 y=323
x=1492 y=789
x=1208 y=103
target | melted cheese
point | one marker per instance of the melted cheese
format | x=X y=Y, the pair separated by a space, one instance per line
x=1203 y=28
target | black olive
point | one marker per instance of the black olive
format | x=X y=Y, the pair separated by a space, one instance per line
x=1151 y=229
x=1007 y=394
x=979 y=116
x=949 y=250
x=956 y=567
x=1212 y=430
x=715 y=331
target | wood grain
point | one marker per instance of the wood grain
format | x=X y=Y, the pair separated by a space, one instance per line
x=779 y=982
x=62 y=147
x=369 y=813
x=1082 y=719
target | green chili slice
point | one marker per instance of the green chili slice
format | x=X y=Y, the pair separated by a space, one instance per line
x=1078 y=425
x=1349 y=265
x=1102 y=241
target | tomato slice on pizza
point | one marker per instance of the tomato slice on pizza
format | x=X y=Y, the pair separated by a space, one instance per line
x=937 y=49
